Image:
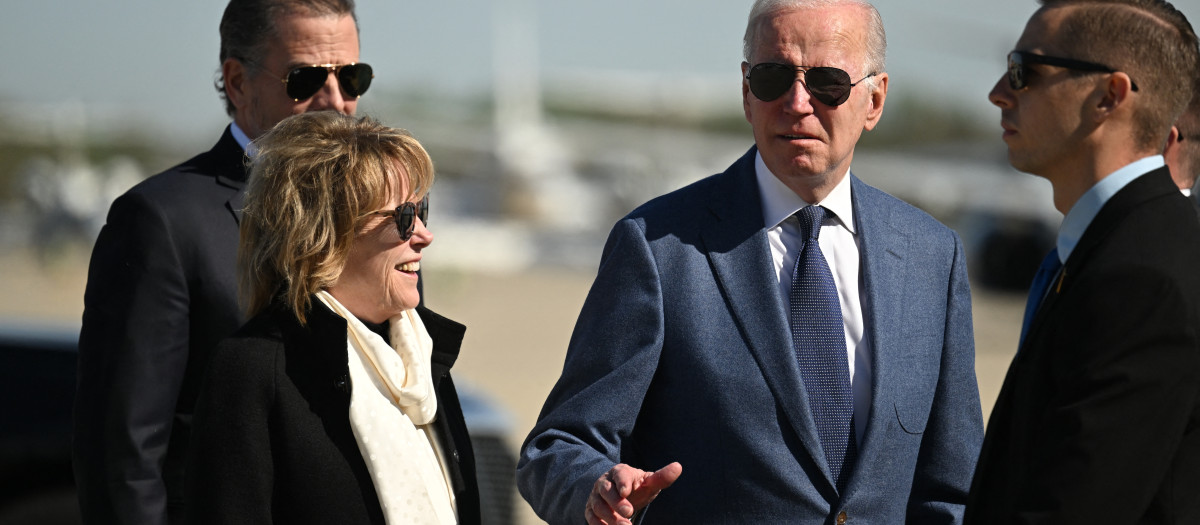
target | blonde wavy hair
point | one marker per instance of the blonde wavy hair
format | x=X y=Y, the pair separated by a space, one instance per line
x=313 y=183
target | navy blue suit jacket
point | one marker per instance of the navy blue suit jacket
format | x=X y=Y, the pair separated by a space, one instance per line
x=683 y=353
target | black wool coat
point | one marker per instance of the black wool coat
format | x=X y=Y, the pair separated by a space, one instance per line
x=272 y=441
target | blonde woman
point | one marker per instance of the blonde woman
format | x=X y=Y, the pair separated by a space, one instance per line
x=334 y=403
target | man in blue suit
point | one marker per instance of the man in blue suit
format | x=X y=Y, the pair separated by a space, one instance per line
x=690 y=379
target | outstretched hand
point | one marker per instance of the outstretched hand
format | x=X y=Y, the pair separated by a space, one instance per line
x=624 y=490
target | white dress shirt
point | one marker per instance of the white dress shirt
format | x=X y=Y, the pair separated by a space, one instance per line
x=839 y=244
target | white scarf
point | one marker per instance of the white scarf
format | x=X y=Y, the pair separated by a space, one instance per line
x=392 y=402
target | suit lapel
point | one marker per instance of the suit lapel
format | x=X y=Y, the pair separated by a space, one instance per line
x=235 y=204
x=232 y=169
x=883 y=246
x=736 y=244
x=1152 y=185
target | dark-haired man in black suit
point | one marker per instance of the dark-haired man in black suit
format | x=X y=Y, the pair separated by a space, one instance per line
x=161 y=285
x=1099 y=418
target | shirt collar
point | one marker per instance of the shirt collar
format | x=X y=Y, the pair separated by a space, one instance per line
x=780 y=202
x=1081 y=214
x=242 y=139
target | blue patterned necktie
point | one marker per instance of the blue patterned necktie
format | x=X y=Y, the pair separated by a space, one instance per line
x=1037 y=291
x=819 y=337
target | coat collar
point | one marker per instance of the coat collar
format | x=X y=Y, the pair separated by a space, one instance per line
x=325 y=337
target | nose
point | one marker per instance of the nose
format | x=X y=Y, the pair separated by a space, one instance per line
x=798 y=99
x=330 y=97
x=1001 y=94
x=421 y=236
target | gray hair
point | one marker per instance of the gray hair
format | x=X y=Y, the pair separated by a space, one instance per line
x=876 y=37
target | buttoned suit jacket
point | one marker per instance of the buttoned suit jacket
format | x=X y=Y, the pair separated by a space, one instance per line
x=682 y=352
x=161 y=292
x=1098 y=420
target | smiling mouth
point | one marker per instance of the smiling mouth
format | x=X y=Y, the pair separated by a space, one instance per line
x=410 y=267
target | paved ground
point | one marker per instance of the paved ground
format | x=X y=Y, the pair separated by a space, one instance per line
x=518 y=325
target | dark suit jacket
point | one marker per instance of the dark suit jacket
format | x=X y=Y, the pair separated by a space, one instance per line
x=1099 y=418
x=683 y=353
x=272 y=441
x=160 y=295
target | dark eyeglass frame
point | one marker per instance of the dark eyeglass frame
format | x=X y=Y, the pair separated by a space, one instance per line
x=405 y=215
x=832 y=86
x=302 y=82
x=1018 y=67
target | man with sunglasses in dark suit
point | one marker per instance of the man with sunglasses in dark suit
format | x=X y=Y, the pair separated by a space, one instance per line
x=161 y=284
x=779 y=343
x=1098 y=420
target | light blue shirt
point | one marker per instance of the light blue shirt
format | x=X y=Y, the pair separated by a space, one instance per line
x=1081 y=214
x=241 y=138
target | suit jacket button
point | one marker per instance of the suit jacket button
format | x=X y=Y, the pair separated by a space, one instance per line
x=454 y=455
x=841 y=519
x=340 y=384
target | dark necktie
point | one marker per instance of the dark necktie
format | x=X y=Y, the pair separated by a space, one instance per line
x=819 y=337
x=1037 y=291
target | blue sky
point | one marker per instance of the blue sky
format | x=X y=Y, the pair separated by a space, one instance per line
x=153 y=61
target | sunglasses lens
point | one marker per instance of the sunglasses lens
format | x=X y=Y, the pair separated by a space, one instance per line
x=304 y=82
x=355 y=79
x=1016 y=71
x=423 y=210
x=404 y=220
x=829 y=85
x=770 y=81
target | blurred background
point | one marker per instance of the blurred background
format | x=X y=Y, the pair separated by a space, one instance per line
x=547 y=120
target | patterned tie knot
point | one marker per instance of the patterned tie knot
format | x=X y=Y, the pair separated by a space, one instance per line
x=811 y=218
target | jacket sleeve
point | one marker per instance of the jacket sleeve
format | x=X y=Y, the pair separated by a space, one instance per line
x=230 y=469
x=610 y=362
x=954 y=432
x=133 y=350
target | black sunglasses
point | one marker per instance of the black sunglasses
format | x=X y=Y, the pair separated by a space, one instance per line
x=1019 y=61
x=830 y=85
x=404 y=215
x=305 y=81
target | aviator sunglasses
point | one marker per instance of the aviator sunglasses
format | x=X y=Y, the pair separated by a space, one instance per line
x=830 y=85
x=305 y=81
x=405 y=215
x=1019 y=72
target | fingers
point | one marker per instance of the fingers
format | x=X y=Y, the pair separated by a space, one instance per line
x=623 y=490
x=651 y=484
x=590 y=515
x=622 y=479
x=607 y=504
x=663 y=477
